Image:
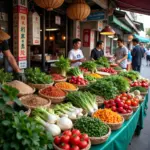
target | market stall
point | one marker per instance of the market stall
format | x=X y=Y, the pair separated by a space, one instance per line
x=94 y=106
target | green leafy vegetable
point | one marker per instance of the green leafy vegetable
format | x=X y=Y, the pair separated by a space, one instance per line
x=5 y=76
x=89 y=78
x=75 y=72
x=34 y=75
x=103 y=88
x=63 y=64
x=103 y=61
x=118 y=68
x=139 y=88
x=91 y=126
x=90 y=65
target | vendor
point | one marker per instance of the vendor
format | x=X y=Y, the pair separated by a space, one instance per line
x=4 y=48
x=98 y=51
x=75 y=55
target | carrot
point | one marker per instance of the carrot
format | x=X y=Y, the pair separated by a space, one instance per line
x=108 y=116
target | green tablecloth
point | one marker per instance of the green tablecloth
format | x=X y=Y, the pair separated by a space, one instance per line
x=120 y=139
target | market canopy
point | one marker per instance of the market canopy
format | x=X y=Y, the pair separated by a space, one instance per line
x=142 y=39
x=139 y=6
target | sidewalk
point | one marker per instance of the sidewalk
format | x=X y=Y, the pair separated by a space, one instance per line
x=142 y=142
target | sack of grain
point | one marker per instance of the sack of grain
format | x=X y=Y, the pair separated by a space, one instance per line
x=23 y=88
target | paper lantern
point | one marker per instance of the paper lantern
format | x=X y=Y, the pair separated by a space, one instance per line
x=49 y=4
x=130 y=37
x=78 y=10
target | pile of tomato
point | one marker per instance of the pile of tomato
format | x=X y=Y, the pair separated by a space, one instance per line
x=72 y=140
x=84 y=69
x=108 y=70
x=78 y=80
x=122 y=104
x=143 y=83
x=56 y=76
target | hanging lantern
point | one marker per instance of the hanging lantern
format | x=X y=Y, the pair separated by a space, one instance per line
x=130 y=37
x=78 y=10
x=49 y=4
x=107 y=31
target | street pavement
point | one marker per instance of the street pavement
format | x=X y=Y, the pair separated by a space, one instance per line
x=142 y=142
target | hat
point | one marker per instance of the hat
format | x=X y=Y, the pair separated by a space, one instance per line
x=3 y=35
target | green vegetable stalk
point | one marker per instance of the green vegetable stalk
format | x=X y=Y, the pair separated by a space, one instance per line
x=75 y=72
x=90 y=65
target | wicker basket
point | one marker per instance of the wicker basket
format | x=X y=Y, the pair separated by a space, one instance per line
x=144 y=93
x=24 y=94
x=127 y=116
x=135 y=108
x=100 y=140
x=62 y=80
x=54 y=100
x=87 y=148
x=100 y=100
x=25 y=98
x=87 y=73
x=40 y=86
x=115 y=126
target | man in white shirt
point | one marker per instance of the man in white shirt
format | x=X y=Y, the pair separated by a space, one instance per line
x=76 y=56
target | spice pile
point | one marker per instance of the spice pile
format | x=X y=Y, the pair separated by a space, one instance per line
x=53 y=92
x=65 y=86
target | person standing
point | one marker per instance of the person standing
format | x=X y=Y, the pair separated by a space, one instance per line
x=76 y=56
x=137 y=54
x=4 y=48
x=98 y=52
x=147 y=54
x=121 y=54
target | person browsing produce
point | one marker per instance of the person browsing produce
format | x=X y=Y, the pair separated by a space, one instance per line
x=7 y=53
x=98 y=51
x=121 y=54
x=76 y=56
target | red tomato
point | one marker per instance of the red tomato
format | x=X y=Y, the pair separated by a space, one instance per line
x=57 y=140
x=75 y=147
x=134 y=103
x=65 y=139
x=117 y=100
x=135 y=84
x=65 y=146
x=124 y=94
x=128 y=102
x=126 y=106
x=120 y=104
x=83 y=144
x=113 y=108
x=124 y=98
x=76 y=131
x=84 y=137
x=129 y=96
x=74 y=139
x=120 y=109
x=106 y=102
x=67 y=132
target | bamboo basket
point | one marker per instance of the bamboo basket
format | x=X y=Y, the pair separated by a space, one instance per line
x=40 y=86
x=25 y=98
x=135 y=108
x=87 y=148
x=127 y=116
x=115 y=126
x=54 y=100
x=100 y=140
x=62 y=80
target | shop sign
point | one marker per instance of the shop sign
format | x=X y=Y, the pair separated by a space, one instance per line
x=96 y=16
x=86 y=37
x=100 y=25
x=22 y=3
x=20 y=35
x=57 y=20
x=92 y=40
x=77 y=29
x=34 y=36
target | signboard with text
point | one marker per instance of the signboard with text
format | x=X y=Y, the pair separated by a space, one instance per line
x=20 y=34
x=86 y=37
x=34 y=36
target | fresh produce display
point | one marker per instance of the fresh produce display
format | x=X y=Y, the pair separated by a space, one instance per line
x=103 y=88
x=67 y=110
x=103 y=61
x=56 y=76
x=118 y=68
x=132 y=75
x=5 y=76
x=89 y=78
x=84 y=100
x=119 y=82
x=139 y=88
x=143 y=83
x=90 y=65
x=108 y=116
x=53 y=92
x=65 y=85
x=75 y=72
x=95 y=75
x=78 y=80
x=91 y=126
x=108 y=70
x=35 y=76
x=63 y=65
x=83 y=69
x=72 y=140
